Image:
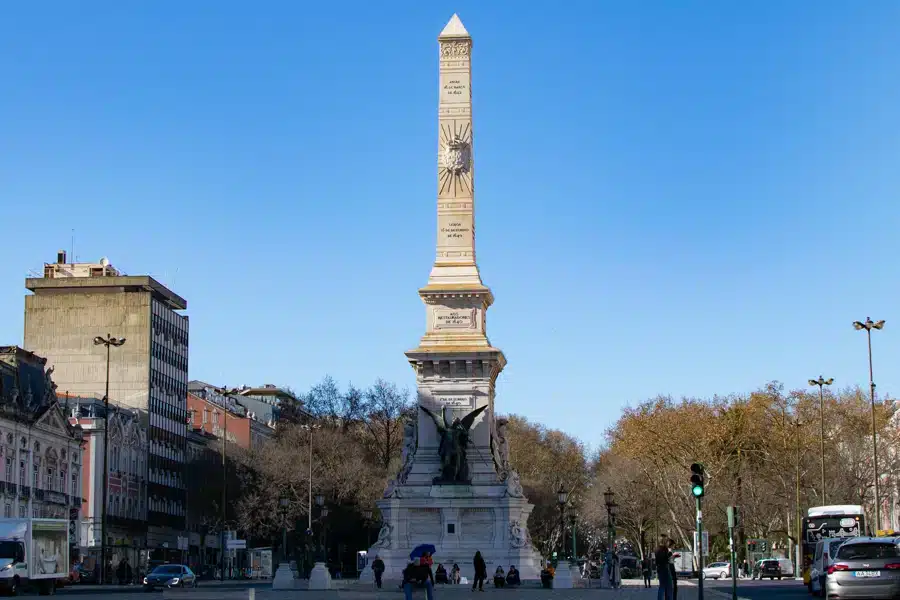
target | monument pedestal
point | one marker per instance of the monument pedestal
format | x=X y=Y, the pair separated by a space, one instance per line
x=319 y=577
x=284 y=577
x=459 y=520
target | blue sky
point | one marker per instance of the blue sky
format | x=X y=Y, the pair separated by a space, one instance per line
x=682 y=198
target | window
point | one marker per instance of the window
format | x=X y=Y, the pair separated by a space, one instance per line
x=7 y=511
x=75 y=484
x=23 y=511
x=205 y=415
x=36 y=513
x=21 y=472
x=868 y=551
x=50 y=484
x=9 y=476
x=35 y=476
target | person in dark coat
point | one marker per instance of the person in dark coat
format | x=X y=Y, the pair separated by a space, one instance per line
x=378 y=570
x=672 y=574
x=480 y=572
x=663 y=572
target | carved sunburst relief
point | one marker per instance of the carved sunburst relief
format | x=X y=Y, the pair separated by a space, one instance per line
x=455 y=159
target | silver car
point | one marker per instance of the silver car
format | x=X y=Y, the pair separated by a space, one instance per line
x=865 y=567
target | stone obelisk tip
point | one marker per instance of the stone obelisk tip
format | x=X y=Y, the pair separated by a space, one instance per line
x=454 y=29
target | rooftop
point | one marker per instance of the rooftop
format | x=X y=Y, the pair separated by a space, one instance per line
x=64 y=277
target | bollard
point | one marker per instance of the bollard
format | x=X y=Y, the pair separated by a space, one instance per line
x=252 y=593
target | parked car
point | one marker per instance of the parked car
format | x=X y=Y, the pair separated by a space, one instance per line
x=771 y=568
x=826 y=549
x=717 y=570
x=865 y=567
x=168 y=576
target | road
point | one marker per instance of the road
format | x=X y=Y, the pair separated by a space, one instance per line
x=786 y=589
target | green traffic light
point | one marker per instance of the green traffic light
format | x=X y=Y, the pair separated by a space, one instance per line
x=697 y=490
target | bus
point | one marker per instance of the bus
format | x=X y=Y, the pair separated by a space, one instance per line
x=845 y=520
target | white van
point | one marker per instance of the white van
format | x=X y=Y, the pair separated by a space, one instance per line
x=824 y=558
x=787 y=567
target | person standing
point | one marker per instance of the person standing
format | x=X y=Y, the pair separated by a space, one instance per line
x=673 y=575
x=663 y=573
x=480 y=572
x=378 y=570
x=645 y=569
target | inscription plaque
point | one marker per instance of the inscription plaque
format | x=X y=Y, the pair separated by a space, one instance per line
x=454 y=88
x=455 y=401
x=455 y=230
x=448 y=318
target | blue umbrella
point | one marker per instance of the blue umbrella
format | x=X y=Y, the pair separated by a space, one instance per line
x=420 y=550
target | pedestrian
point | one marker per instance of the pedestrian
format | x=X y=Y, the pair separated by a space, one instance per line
x=418 y=573
x=746 y=568
x=480 y=572
x=662 y=570
x=645 y=569
x=672 y=573
x=378 y=570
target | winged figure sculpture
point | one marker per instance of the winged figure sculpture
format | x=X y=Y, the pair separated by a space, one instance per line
x=454 y=441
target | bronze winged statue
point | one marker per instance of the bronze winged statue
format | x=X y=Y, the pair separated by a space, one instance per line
x=454 y=441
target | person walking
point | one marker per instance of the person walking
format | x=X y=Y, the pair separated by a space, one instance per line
x=663 y=573
x=645 y=569
x=480 y=572
x=378 y=570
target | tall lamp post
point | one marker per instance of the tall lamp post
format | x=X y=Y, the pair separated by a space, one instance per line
x=822 y=382
x=797 y=424
x=110 y=342
x=609 y=500
x=869 y=325
x=562 y=496
x=225 y=393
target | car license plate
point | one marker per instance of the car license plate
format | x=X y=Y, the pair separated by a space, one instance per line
x=867 y=574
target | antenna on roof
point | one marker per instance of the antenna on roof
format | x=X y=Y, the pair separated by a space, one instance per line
x=74 y=257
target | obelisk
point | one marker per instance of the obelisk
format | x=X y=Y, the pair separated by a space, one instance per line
x=480 y=506
x=455 y=258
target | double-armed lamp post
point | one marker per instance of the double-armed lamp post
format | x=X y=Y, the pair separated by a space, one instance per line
x=110 y=342
x=868 y=326
x=822 y=382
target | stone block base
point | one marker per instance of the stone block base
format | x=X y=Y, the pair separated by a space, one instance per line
x=320 y=578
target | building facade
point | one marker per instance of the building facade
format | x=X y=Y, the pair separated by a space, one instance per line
x=75 y=302
x=40 y=452
x=127 y=498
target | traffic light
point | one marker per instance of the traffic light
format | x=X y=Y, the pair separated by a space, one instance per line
x=698 y=480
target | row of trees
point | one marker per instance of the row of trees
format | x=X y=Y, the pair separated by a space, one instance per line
x=757 y=449
x=753 y=447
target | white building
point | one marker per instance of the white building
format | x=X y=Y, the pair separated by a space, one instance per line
x=40 y=451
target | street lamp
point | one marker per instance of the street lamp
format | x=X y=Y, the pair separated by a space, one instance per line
x=225 y=393
x=609 y=500
x=822 y=382
x=797 y=424
x=869 y=326
x=109 y=341
x=562 y=497
x=284 y=506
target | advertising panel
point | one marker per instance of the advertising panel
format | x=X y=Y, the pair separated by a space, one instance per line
x=50 y=548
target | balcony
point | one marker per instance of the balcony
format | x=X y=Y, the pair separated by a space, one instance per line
x=56 y=497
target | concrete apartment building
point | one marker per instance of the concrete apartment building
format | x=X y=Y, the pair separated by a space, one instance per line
x=75 y=302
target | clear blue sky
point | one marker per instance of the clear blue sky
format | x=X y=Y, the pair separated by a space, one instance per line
x=686 y=198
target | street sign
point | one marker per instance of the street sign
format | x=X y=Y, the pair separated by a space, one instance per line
x=182 y=543
x=237 y=544
x=705 y=543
